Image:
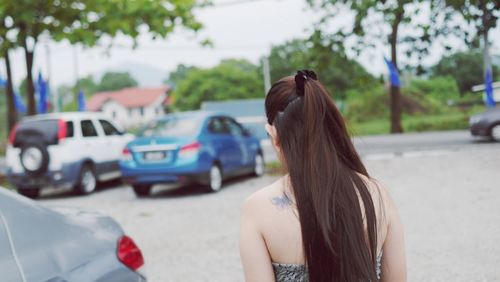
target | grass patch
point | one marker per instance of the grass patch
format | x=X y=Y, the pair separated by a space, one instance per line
x=452 y=121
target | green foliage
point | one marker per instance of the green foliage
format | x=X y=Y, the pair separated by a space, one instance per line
x=367 y=105
x=337 y=72
x=419 y=98
x=379 y=20
x=179 y=74
x=465 y=67
x=87 y=85
x=441 y=89
x=115 y=81
x=231 y=79
x=456 y=121
x=481 y=15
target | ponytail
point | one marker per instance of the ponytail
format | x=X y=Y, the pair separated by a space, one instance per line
x=325 y=170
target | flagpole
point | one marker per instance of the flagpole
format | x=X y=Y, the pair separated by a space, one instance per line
x=54 y=94
x=75 y=64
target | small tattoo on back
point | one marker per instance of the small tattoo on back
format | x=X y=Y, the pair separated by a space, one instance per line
x=282 y=201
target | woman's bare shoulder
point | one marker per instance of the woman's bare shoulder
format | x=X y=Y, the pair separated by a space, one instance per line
x=258 y=206
x=261 y=198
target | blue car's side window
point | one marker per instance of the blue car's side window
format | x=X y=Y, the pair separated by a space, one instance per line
x=216 y=126
x=234 y=128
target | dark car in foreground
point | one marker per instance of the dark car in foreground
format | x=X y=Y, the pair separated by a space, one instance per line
x=486 y=124
x=63 y=244
x=201 y=147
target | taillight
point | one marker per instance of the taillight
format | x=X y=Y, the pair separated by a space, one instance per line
x=62 y=129
x=189 y=150
x=12 y=135
x=129 y=254
x=126 y=154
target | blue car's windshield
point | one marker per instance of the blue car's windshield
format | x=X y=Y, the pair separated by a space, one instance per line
x=172 y=127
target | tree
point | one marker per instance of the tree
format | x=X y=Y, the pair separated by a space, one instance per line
x=337 y=72
x=482 y=16
x=231 y=79
x=178 y=75
x=465 y=77
x=5 y=45
x=380 y=20
x=87 y=85
x=31 y=19
x=115 y=81
x=87 y=21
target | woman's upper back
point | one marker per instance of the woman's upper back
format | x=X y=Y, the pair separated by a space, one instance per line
x=271 y=233
x=278 y=221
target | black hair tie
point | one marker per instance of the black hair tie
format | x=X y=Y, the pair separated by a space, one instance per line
x=301 y=78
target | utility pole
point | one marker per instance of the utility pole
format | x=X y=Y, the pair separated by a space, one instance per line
x=267 y=74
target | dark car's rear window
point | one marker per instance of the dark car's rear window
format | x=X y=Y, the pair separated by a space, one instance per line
x=172 y=127
x=40 y=131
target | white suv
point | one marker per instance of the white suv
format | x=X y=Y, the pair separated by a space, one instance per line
x=64 y=150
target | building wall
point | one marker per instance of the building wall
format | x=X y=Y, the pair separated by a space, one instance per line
x=133 y=117
x=115 y=112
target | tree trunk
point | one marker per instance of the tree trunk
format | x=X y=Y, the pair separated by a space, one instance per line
x=29 y=79
x=9 y=92
x=395 y=92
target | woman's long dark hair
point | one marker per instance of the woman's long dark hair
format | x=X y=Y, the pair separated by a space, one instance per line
x=324 y=171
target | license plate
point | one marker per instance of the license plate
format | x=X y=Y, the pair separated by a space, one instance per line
x=155 y=156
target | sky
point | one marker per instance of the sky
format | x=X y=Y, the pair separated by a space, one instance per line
x=247 y=30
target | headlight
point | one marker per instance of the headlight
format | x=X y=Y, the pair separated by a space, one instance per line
x=474 y=119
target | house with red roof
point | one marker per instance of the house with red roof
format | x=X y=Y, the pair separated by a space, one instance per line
x=131 y=107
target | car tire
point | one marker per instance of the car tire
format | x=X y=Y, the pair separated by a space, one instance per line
x=31 y=193
x=87 y=181
x=495 y=132
x=142 y=190
x=214 y=184
x=36 y=150
x=258 y=165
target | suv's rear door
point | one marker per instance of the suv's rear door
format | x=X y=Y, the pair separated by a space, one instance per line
x=114 y=146
x=94 y=145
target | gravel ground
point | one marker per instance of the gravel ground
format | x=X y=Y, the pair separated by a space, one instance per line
x=449 y=202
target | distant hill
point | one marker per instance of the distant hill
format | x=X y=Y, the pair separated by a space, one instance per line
x=146 y=75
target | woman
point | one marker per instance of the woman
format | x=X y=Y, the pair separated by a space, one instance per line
x=326 y=219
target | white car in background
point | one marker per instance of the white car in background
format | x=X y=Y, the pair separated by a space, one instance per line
x=64 y=150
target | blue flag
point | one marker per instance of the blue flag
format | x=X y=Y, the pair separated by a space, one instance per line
x=81 y=101
x=18 y=103
x=3 y=82
x=42 y=94
x=393 y=73
x=488 y=89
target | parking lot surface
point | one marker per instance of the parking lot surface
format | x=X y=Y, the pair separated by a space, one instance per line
x=449 y=202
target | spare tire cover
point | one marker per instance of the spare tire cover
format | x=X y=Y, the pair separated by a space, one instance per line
x=34 y=157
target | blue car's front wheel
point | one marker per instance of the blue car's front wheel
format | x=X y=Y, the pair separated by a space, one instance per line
x=214 y=179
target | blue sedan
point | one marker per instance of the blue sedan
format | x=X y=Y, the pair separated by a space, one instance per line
x=200 y=147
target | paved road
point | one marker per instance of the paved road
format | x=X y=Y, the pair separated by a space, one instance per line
x=449 y=204
x=390 y=145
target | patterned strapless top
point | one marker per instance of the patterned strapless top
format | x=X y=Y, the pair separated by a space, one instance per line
x=285 y=272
